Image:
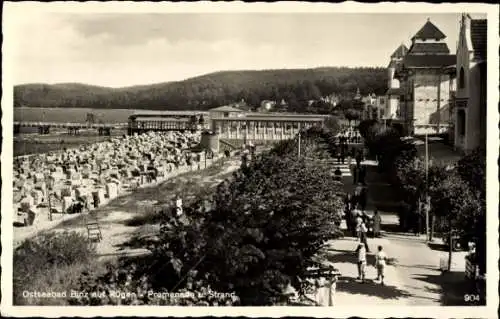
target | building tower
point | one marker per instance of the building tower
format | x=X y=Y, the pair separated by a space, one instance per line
x=425 y=77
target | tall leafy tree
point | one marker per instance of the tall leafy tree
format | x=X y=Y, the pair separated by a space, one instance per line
x=458 y=206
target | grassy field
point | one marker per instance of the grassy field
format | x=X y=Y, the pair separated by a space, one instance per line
x=76 y=115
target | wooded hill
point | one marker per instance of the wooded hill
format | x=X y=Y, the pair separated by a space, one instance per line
x=295 y=86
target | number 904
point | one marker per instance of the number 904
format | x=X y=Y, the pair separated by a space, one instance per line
x=471 y=298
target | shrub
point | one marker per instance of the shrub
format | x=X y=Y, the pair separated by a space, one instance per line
x=472 y=168
x=262 y=233
x=127 y=284
x=48 y=260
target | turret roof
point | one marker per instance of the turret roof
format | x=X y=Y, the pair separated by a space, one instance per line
x=429 y=31
x=400 y=52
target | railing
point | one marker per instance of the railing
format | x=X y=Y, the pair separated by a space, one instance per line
x=70 y=124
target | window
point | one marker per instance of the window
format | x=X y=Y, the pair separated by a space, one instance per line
x=461 y=122
x=461 y=78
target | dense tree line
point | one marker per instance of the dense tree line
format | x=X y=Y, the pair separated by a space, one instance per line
x=296 y=87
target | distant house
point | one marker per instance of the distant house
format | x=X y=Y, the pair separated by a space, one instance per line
x=470 y=101
x=332 y=99
x=225 y=111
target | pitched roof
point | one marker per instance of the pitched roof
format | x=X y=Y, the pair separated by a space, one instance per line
x=429 y=48
x=167 y=113
x=161 y=119
x=225 y=108
x=273 y=118
x=429 y=31
x=394 y=64
x=400 y=52
x=479 y=30
x=429 y=61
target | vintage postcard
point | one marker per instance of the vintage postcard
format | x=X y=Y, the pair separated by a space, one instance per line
x=250 y=159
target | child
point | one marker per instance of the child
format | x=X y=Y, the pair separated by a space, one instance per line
x=380 y=260
x=361 y=251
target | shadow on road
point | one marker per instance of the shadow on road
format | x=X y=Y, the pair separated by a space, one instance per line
x=370 y=288
x=390 y=228
x=454 y=289
x=346 y=256
x=437 y=247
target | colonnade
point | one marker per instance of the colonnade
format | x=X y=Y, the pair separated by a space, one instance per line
x=259 y=130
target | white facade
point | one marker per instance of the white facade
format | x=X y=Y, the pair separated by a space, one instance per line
x=470 y=104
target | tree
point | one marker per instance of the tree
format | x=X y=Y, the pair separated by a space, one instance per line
x=332 y=124
x=458 y=206
x=201 y=120
x=472 y=169
x=263 y=228
x=210 y=90
x=414 y=188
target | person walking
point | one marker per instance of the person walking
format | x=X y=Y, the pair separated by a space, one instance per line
x=355 y=175
x=359 y=225
x=339 y=153
x=358 y=192
x=363 y=238
x=359 y=158
x=380 y=262
x=363 y=198
x=347 y=212
x=353 y=221
x=361 y=254
x=377 y=221
x=361 y=175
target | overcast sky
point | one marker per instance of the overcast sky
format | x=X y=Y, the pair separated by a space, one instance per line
x=128 y=49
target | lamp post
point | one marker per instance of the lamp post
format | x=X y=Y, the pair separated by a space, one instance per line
x=426 y=181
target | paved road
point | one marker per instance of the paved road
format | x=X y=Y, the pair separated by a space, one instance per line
x=412 y=278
